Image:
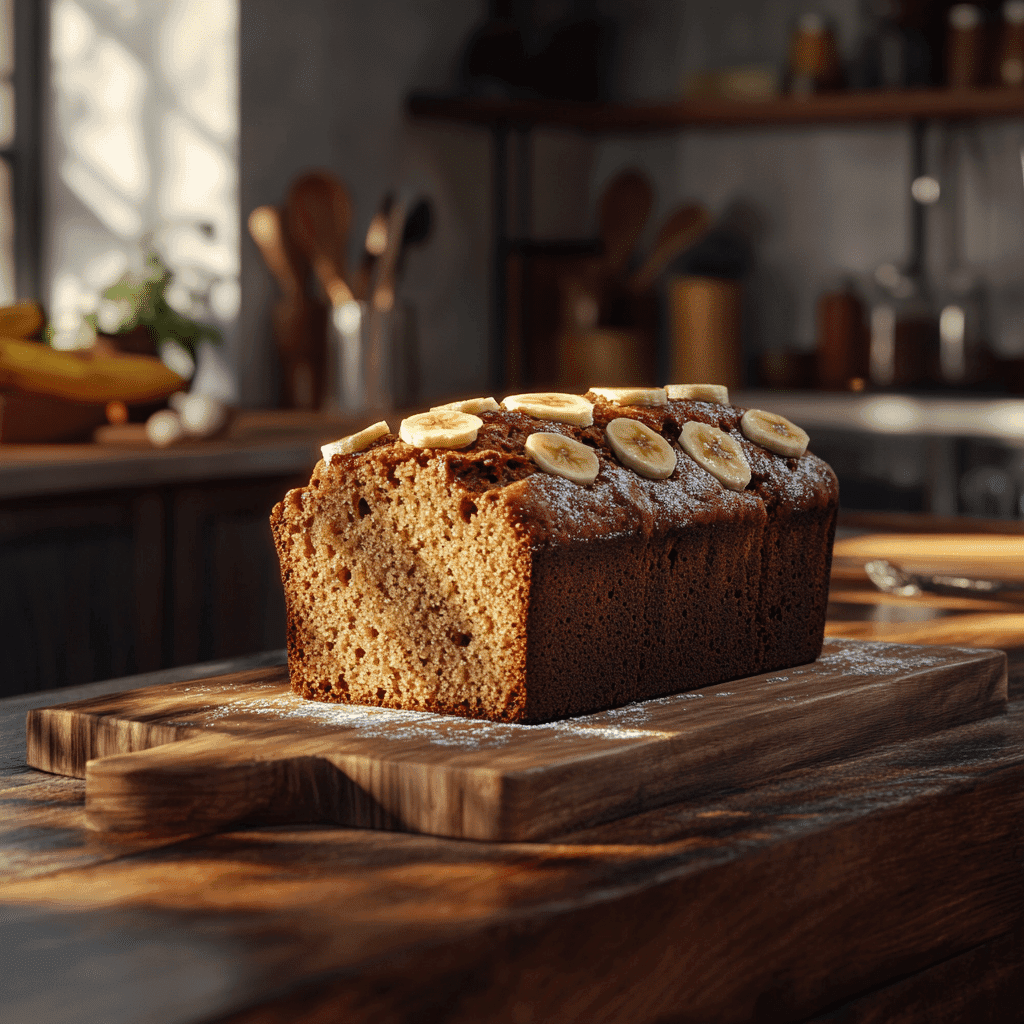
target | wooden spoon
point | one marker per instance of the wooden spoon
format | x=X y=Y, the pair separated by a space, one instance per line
x=680 y=230
x=299 y=321
x=319 y=215
x=267 y=230
x=625 y=207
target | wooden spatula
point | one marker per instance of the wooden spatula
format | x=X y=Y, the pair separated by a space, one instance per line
x=382 y=299
x=625 y=207
x=680 y=230
x=319 y=215
x=299 y=321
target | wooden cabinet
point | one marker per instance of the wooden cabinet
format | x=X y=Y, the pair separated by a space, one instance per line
x=73 y=602
x=109 y=584
x=225 y=583
x=116 y=558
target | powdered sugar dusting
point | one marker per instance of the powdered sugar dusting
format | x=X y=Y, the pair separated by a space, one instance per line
x=874 y=658
x=630 y=724
x=622 y=503
x=386 y=724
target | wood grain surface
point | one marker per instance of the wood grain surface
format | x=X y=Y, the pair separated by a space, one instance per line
x=881 y=888
x=884 y=888
x=998 y=557
x=775 y=903
x=257 y=443
x=201 y=755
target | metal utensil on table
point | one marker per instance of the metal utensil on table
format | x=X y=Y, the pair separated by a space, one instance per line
x=891 y=579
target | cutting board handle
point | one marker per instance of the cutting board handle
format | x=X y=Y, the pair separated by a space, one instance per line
x=213 y=782
x=206 y=784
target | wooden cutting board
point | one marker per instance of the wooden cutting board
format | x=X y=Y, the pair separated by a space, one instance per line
x=199 y=756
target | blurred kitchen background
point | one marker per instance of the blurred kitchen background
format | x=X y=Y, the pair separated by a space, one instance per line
x=317 y=211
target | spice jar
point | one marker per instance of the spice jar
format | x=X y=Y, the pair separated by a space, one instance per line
x=965 y=47
x=814 y=62
x=1010 y=51
x=842 y=345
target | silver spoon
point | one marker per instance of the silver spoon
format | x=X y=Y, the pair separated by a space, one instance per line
x=893 y=580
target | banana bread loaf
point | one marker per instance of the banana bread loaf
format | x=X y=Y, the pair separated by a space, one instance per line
x=556 y=556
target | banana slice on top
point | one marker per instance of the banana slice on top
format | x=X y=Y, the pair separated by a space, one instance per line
x=354 y=442
x=632 y=396
x=470 y=405
x=440 y=428
x=563 y=456
x=775 y=433
x=554 y=406
x=718 y=393
x=641 y=449
x=718 y=452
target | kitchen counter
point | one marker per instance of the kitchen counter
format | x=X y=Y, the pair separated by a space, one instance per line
x=259 y=443
x=930 y=544
x=994 y=418
x=884 y=888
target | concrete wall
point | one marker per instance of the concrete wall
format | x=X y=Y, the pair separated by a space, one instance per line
x=324 y=84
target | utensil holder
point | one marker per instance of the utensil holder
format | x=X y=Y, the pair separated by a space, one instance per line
x=372 y=358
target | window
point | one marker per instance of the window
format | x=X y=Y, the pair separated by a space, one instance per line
x=20 y=73
x=7 y=135
x=142 y=140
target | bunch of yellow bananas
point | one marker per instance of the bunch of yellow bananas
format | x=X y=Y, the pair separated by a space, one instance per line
x=81 y=376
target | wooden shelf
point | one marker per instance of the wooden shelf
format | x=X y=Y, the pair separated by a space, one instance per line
x=829 y=108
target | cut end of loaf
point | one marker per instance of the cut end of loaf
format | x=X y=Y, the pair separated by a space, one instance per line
x=397 y=598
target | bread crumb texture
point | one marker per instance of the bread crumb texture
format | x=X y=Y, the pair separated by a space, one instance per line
x=469 y=582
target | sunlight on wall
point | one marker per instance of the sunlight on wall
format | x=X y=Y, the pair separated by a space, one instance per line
x=7 y=289
x=144 y=152
x=7 y=129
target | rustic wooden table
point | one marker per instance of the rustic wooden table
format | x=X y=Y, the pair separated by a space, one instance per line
x=884 y=888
